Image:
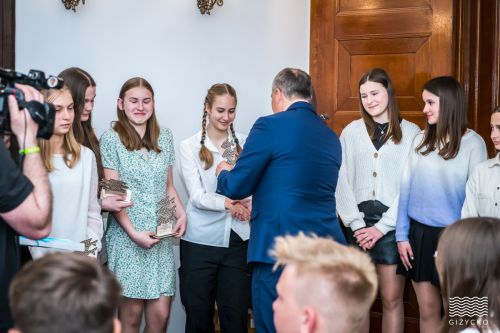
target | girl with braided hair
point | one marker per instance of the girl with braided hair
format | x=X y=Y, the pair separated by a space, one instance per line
x=213 y=249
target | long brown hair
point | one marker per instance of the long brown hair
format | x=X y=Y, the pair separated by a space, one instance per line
x=78 y=80
x=126 y=132
x=217 y=89
x=70 y=147
x=468 y=257
x=394 y=132
x=446 y=134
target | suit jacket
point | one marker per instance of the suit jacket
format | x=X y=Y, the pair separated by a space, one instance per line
x=290 y=165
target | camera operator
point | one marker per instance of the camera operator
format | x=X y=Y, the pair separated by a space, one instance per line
x=25 y=196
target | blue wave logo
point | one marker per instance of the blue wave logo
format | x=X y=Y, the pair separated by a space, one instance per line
x=468 y=306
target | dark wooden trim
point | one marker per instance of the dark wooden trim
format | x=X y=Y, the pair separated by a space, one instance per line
x=8 y=33
x=477 y=60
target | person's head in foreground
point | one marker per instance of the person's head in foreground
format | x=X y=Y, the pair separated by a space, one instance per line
x=325 y=287
x=64 y=293
x=468 y=264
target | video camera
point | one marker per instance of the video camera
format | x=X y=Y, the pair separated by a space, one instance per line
x=42 y=113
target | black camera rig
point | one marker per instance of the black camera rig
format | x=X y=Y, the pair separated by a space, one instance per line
x=42 y=113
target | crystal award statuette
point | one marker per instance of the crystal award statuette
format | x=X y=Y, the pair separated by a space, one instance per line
x=230 y=153
x=115 y=187
x=166 y=219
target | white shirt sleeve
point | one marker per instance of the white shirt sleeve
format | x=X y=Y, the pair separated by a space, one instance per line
x=191 y=172
x=470 y=207
x=347 y=207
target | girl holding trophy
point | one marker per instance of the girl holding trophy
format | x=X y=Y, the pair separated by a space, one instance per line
x=76 y=213
x=140 y=153
x=213 y=250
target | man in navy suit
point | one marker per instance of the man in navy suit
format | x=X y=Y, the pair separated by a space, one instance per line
x=290 y=166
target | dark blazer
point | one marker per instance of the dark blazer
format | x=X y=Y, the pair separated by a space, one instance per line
x=289 y=164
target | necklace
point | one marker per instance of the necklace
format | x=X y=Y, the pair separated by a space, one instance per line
x=382 y=127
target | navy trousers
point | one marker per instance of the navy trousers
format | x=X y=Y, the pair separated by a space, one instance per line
x=264 y=282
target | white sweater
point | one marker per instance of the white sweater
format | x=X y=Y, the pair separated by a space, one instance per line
x=368 y=174
x=76 y=213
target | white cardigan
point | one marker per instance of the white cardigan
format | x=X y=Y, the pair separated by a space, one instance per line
x=368 y=174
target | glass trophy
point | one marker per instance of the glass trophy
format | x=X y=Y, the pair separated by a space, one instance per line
x=165 y=215
x=230 y=153
x=115 y=187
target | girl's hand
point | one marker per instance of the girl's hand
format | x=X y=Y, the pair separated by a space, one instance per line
x=144 y=239
x=367 y=237
x=180 y=226
x=405 y=253
x=114 y=204
x=237 y=210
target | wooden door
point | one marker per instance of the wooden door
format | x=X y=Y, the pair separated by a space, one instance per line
x=411 y=39
x=7 y=33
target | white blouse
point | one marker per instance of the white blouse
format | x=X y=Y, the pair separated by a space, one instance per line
x=76 y=213
x=368 y=174
x=209 y=223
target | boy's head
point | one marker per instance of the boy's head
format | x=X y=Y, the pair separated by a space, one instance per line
x=64 y=293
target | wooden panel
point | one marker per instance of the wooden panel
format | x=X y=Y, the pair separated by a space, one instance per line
x=362 y=24
x=7 y=33
x=346 y=5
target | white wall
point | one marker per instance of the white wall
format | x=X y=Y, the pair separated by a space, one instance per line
x=180 y=51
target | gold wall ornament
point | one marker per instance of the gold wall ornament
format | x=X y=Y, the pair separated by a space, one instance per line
x=72 y=4
x=205 y=6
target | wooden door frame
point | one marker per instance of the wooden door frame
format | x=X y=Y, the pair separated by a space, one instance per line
x=8 y=33
x=477 y=60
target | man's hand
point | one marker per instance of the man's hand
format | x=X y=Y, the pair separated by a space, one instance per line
x=223 y=166
x=20 y=120
x=237 y=209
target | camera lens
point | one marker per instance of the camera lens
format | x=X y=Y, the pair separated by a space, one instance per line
x=52 y=81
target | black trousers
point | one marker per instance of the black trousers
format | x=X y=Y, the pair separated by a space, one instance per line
x=209 y=275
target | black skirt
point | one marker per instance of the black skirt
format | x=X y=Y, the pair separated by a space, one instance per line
x=385 y=250
x=423 y=241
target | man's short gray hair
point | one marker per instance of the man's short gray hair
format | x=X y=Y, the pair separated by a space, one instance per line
x=294 y=83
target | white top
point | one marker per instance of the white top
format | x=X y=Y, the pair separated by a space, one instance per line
x=368 y=174
x=76 y=213
x=208 y=221
x=482 y=193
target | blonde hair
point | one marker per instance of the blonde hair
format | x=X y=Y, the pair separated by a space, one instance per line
x=348 y=274
x=70 y=147
x=218 y=89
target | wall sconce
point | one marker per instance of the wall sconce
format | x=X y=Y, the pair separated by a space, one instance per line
x=205 y=6
x=72 y=4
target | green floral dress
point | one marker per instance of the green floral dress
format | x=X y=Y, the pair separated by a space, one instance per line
x=143 y=273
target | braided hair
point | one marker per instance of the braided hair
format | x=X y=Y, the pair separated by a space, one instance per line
x=217 y=89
